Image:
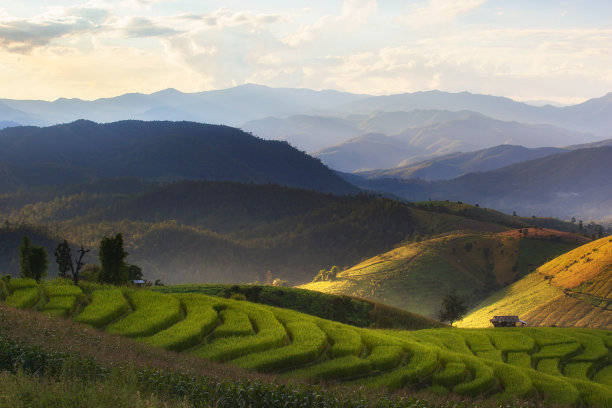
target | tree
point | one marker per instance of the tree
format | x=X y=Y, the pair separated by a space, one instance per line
x=65 y=263
x=113 y=270
x=134 y=273
x=63 y=258
x=33 y=260
x=453 y=308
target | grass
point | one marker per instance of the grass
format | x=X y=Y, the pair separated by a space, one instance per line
x=106 y=305
x=234 y=323
x=20 y=283
x=344 y=309
x=152 y=312
x=415 y=276
x=23 y=297
x=308 y=341
x=201 y=319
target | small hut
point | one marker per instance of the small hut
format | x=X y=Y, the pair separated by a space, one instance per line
x=506 y=321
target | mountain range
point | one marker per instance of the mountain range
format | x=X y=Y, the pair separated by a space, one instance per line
x=471 y=132
x=574 y=183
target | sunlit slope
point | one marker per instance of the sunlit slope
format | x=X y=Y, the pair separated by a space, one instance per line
x=416 y=276
x=563 y=366
x=572 y=290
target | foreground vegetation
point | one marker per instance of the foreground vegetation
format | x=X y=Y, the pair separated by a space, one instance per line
x=563 y=366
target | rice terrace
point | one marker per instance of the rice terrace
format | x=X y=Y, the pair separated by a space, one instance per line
x=556 y=365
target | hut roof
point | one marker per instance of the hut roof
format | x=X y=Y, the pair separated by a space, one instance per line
x=505 y=319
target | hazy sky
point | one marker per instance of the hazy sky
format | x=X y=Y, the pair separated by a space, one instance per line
x=524 y=49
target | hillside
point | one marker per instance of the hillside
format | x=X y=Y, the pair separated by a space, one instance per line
x=224 y=232
x=344 y=309
x=417 y=276
x=469 y=133
x=564 y=366
x=572 y=290
x=164 y=151
x=457 y=164
x=569 y=184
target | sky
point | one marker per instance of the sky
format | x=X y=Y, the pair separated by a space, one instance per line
x=551 y=50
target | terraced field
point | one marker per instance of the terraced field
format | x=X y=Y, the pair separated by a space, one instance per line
x=572 y=290
x=564 y=366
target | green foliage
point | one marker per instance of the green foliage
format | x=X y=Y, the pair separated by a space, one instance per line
x=62 y=298
x=308 y=341
x=482 y=381
x=23 y=283
x=33 y=260
x=385 y=357
x=23 y=298
x=152 y=312
x=452 y=374
x=201 y=319
x=107 y=305
x=453 y=308
x=63 y=258
x=270 y=334
x=234 y=323
x=113 y=268
x=344 y=340
x=467 y=362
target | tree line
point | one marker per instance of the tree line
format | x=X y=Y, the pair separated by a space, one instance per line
x=113 y=268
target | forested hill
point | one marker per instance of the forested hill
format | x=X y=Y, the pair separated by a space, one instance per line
x=203 y=231
x=81 y=151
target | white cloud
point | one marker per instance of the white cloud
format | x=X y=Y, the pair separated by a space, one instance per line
x=437 y=12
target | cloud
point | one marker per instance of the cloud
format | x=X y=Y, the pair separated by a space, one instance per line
x=144 y=27
x=437 y=12
x=355 y=13
x=23 y=35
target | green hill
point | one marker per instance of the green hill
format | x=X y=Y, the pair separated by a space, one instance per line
x=572 y=290
x=225 y=232
x=562 y=366
x=416 y=276
x=344 y=309
x=163 y=151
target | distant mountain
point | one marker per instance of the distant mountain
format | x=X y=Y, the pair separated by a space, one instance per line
x=471 y=132
x=572 y=290
x=316 y=132
x=457 y=164
x=306 y=132
x=162 y=151
x=231 y=106
x=594 y=115
x=6 y=124
x=576 y=183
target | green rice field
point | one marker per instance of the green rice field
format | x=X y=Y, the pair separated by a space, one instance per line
x=559 y=365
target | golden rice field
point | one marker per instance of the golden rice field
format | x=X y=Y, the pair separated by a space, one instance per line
x=572 y=290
